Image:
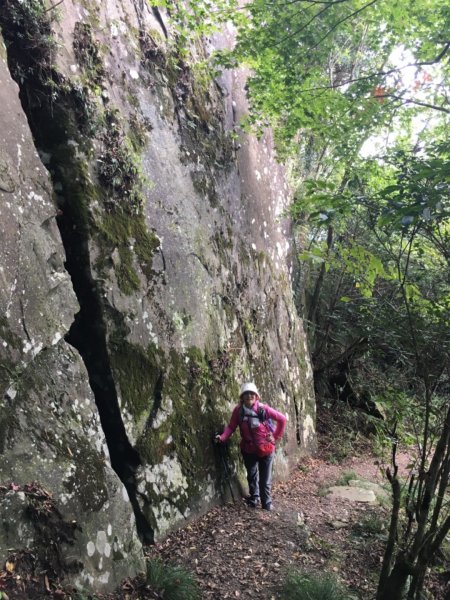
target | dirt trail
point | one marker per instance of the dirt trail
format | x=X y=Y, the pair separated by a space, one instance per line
x=240 y=552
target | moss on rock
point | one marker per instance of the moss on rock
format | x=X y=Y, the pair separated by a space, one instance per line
x=138 y=372
x=88 y=480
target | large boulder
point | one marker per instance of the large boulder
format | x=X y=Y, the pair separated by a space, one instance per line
x=178 y=254
x=59 y=497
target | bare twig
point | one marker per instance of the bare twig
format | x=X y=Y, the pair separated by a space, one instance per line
x=427 y=63
x=336 y=25
x=52 y=6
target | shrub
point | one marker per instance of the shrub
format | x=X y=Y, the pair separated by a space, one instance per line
x=306 y=586
x=171 y=581
x=370 y=525
x=345 y=477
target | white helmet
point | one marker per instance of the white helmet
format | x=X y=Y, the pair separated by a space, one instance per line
x=248 y=387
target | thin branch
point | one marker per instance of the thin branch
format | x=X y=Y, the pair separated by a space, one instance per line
x=381 y=73
x=277 y=4
x=304 y=26
x=336 y=25
x=51 y=7
x=417 y=102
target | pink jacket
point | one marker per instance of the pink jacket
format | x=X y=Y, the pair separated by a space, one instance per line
x=248 y=437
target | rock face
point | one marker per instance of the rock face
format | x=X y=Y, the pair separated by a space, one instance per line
x=179 y=287
x=49 y=430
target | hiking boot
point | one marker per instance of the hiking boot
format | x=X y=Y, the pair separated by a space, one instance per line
x=251 y=502
x=268 y=507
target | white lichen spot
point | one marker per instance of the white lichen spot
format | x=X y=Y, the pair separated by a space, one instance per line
x=11 y=393
x=166 y=478
x=308 y=429
x=163 y=413
x=107 y=550
x=166 y=515
x=109 y=530
x=19 y=156
x=90 y=548
x=101 y=541
x=35 y=351
x=279 y=250
x=134 y=74
x=104 y=578
x=64 y=498
x=56 y=338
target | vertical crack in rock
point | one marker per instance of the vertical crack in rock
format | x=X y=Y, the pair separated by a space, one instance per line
x=61 y=125
x=298 y=421
x=88 y=336
x=157 y=402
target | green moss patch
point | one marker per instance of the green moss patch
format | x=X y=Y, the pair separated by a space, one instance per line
x=192 y=385
x=138 y=372
x=87 y=52
x=88 y=480
x=130 y=236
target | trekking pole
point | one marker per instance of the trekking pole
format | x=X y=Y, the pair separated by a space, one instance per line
x=225 y=467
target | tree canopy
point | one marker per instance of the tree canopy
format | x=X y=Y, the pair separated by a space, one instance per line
x=338 y=70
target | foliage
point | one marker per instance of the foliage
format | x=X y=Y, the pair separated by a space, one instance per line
x=381 y=324
x=31 y=23
x=370 y=525
x=119 y=169
x=190 y=21
x=342 y=431
x=345 y=477
x=305 y=586
x=171 y=581
x=328 y=70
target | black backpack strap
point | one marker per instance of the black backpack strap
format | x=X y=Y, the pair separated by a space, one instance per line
x=262 y=415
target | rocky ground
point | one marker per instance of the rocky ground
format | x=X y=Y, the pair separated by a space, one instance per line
x=239 y=552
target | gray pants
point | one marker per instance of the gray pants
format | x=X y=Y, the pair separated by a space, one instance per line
x=259 y=477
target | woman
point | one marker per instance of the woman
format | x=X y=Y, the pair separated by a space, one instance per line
x=257 y=442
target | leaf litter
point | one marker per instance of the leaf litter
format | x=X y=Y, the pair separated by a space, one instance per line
x=235 y=551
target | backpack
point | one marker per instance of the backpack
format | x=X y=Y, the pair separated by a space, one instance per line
x=266 y=448
x=268 y=423
x=262 y=416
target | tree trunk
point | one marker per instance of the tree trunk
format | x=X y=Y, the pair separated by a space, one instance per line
x=395 y=585
x=391 y=543
x=417 y=582
x=319 y=281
